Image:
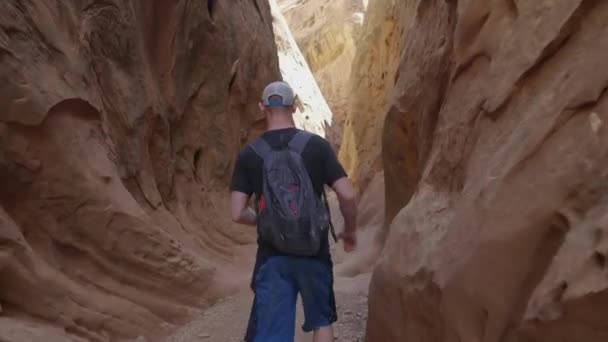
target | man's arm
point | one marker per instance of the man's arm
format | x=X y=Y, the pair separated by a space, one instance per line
x=348 y=204
x=336 y=177
x=241 y=189
x=241 y=213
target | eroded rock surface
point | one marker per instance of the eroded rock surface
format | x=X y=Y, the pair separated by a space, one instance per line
x=118 y=125
x=500 y=109
x=327 y=33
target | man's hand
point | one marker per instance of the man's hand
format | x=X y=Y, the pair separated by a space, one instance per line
x=349 y=239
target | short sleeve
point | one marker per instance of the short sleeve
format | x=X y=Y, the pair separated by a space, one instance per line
x=333 y=170
x=241 y=181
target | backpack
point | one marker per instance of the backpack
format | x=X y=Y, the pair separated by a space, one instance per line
x=291 y=217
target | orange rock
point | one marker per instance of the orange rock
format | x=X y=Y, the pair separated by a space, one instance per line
x=117 y=121
x=495 y=168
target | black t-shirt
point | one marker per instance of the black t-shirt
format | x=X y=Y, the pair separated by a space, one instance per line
x=319 y=158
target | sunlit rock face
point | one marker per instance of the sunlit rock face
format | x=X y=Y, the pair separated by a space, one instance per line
x=313 y=113
x=327 y=32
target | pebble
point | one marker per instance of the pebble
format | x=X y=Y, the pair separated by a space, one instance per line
x=595 y=122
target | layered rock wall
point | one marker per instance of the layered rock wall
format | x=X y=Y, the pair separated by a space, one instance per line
x=117 y=126
x=499 y=188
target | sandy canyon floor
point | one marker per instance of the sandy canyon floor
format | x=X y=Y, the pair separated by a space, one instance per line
x=227 y=320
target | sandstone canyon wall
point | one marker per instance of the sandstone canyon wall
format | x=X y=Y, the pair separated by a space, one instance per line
x=118 y=123
x=495 y=159
x=327 y=32
x=371 y=83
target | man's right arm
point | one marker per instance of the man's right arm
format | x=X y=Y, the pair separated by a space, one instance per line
x=241 y=190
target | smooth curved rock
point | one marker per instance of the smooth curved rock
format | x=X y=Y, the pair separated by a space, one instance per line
x=500 y=110
x=117 y=121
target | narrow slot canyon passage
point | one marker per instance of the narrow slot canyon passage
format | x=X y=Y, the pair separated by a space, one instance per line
x=316 y=46
x=473 y=132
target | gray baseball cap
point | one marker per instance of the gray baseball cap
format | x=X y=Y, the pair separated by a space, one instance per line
x=281 y=89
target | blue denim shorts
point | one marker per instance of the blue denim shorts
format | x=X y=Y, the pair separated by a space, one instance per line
x=276 y=285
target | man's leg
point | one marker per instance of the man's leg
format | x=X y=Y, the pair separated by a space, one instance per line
x=251 y=325
x=324 y=334
x=315 y=283
x=275 y=302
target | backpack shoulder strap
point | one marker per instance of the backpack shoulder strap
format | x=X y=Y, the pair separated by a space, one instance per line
x=299 y=141
x=331 y=225
x=261 y=147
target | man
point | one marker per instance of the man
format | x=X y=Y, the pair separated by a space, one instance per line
x=278 y=277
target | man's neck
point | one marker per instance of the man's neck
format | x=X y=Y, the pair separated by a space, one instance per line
x=272 y=126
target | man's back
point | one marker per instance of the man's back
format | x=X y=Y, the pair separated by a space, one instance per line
x=320 y=161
